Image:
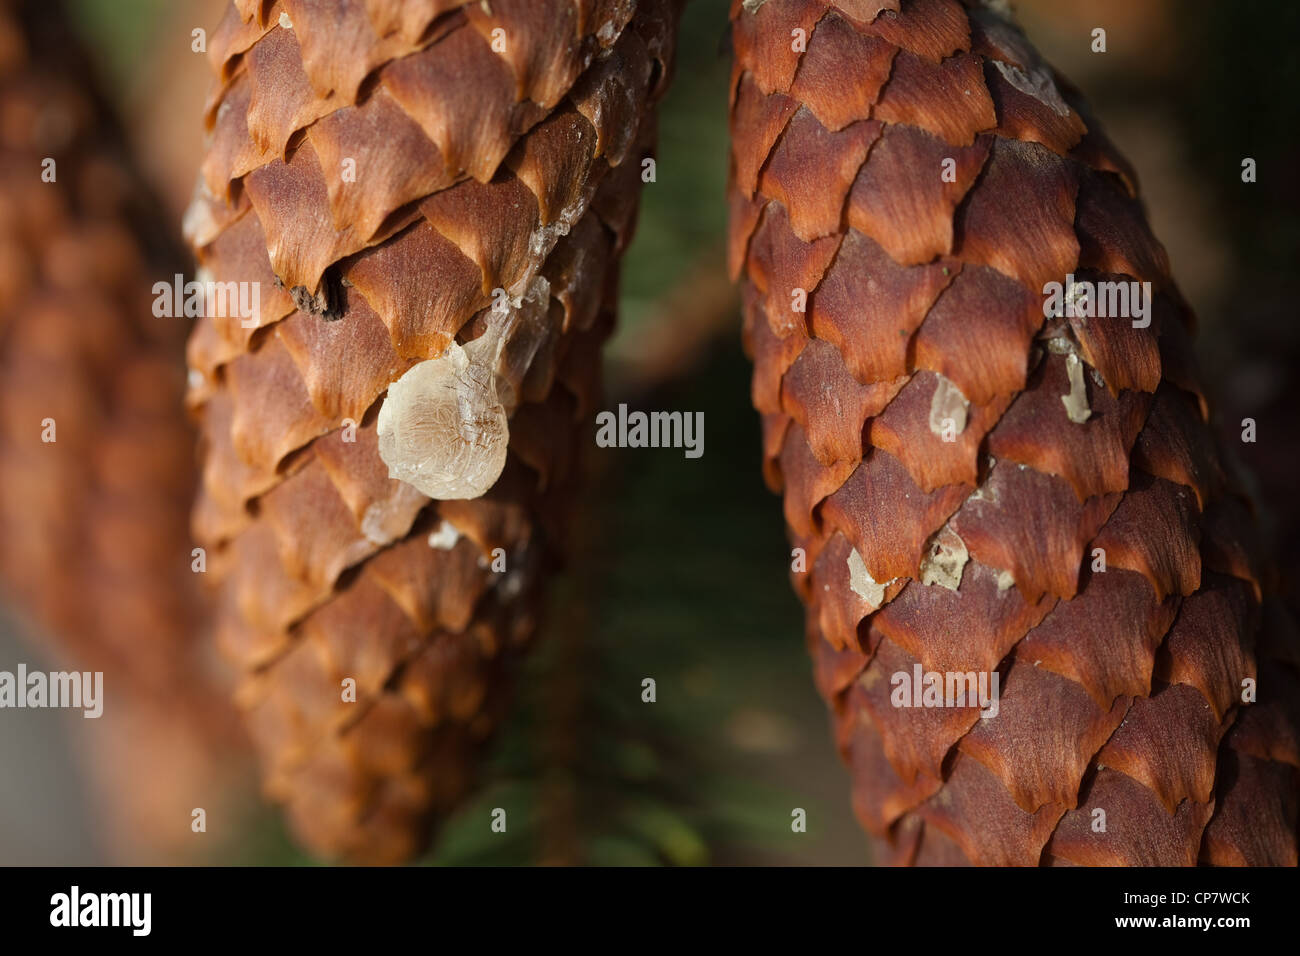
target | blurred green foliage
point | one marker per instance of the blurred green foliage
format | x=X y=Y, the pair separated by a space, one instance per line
x=684 y=211
x=121 y=32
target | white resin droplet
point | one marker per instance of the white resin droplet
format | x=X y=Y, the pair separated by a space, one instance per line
x=442 y=429
x=445 y=536
x=862 y=583
x=444 y=426
x=1076 y=401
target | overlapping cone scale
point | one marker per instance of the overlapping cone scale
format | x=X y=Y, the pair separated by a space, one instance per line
x=906 y=180
x=400 y=179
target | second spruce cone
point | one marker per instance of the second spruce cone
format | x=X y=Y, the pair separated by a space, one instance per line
x=1124 y=691
x=403 y=181
x=96 y=457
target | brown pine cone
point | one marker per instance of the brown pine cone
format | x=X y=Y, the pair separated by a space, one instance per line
x=431 y=197
x=96 y=456
x=956 y=466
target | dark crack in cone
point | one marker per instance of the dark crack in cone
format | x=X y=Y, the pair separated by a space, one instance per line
x=431 y=198
x=957 y=467
x=96 y=454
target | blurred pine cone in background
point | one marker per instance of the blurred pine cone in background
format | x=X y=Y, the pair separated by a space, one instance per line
x=427 y=198
x=982 y=490
x=96 y=456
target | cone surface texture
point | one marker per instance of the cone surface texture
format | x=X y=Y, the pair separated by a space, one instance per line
x=431 y=198
x=981 y=489
x=96 y=455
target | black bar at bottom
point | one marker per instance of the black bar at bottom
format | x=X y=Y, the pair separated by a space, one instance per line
x=486 y=907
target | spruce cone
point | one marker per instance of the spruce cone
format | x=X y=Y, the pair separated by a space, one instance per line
x=96 y=457
x=431 y=197
x=1124 y=690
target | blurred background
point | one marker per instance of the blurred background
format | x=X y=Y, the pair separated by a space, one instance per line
x=679 y=569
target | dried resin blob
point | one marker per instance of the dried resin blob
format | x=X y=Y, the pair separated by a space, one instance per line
x=442 y=429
